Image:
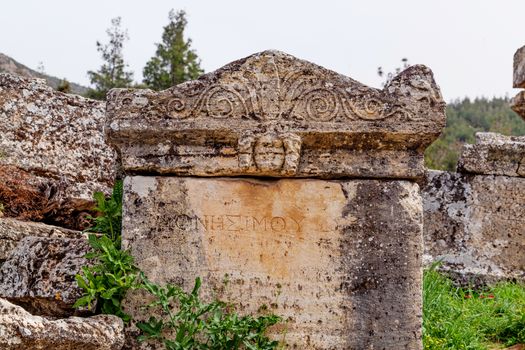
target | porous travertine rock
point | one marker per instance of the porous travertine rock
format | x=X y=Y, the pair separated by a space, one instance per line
x=494 y=154
x=271 y=114
x=19 y=330
x=519 y=68
x=40 y=274
x=54 y=142
x=475 y=225
x=339 y=260
x=12 y=231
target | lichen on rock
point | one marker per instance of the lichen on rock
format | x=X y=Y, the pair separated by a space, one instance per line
x=40 y=275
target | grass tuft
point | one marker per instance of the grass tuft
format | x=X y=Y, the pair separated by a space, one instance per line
x=457 y=318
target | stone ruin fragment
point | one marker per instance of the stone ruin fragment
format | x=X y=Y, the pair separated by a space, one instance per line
x=53 y=153
x=518 y=103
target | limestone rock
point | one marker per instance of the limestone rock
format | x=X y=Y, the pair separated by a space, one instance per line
x=12 y=231
x=271 y=114
x=19 y=330
x=494 y=154
x=52 y=148
x=339 y=260
x=40 y=275
x=519 y=68
x=518 y=104
x=475 y=225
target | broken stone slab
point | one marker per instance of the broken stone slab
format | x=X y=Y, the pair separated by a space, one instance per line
x=494 y=154
x=19 y=330
x=519 y=68
x=339 y=260
x=474 y=225
x=12 y=231
x=40 y=275
x=271 y=114
x=52 y=148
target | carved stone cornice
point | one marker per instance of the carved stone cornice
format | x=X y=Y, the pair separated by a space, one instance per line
x=271 y=114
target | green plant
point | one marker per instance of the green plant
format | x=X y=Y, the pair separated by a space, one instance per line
x=174 y=61
x=190 y=324
x=457 y=318
x=107 y=281
x=196 y=325
x=113 y=73
x=109 y=222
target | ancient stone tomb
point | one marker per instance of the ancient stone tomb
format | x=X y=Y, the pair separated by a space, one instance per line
x=285 y=186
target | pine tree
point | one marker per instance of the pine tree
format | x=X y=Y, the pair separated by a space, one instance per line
x=174 y=61
x=112 y=73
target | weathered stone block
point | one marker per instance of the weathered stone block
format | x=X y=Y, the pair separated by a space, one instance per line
x=494 y=154
x=519 y=68
x=340 y=260
x=40 y=275
x=271 y=114
x=12 y=231
x=55 y=141
x=518 y=104
x=19 y=330
x=475 y=224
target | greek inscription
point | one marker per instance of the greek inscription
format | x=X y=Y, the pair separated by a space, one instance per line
x=230 y=223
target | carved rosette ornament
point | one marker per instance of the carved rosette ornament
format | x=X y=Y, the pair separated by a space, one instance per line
x=272 y=114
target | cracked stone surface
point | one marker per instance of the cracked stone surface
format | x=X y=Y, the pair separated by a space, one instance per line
x=40 y=275
x=54 y=142
x=19 y=330
x=475 y=225
x=12 y=231
x=494 y=154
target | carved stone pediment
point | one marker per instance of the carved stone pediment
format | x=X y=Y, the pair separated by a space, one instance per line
x=272 y=114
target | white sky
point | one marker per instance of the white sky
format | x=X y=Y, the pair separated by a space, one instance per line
x=469 y=44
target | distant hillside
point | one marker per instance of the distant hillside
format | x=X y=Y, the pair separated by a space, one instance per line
x=9 y=65
x=465 y=118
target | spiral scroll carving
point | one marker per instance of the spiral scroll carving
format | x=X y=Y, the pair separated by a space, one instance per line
x=265 y=95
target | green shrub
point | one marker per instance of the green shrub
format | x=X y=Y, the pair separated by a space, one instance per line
x=109 y=279
x=109 y=222
x=188 y=323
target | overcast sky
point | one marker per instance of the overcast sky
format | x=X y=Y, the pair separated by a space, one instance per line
x=468 y=44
